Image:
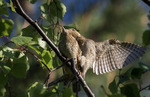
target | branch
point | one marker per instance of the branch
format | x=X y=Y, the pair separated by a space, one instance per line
x=23 y=49
x=144 y=88
x=21 y=12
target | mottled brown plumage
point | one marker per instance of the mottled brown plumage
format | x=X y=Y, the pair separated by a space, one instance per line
x=69 y=47
x=103 y=56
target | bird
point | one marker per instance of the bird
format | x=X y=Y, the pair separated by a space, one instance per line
x=70 y=49
x=103 y=57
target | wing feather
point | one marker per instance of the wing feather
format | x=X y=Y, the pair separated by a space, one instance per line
x=113 y=54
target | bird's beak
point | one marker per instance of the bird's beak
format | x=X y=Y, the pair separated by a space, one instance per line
x=63 y=29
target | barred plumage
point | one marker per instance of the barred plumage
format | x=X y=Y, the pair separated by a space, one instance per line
x=113 y=54
x=103 y=56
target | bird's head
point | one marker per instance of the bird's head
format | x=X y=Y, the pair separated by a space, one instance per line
x=74 y=33
x=71 y=31
x=65 y=31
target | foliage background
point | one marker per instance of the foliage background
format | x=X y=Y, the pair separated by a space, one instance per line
x=99 y=20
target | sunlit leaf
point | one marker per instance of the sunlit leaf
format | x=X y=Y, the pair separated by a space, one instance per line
x=5 y=69
x=8 y=54
x=47 y=58
x=12 y=6
x=144 y=66
x=6 y=26
x=35 y=48
x=2 y=91
x=36 y=90
x=21 y=40
x=56 y=7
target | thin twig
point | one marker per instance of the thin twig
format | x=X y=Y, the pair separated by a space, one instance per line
x=61 y=79
x=23 y=49
x=20 y=11
x=37 y=58
x=144 y=88
x=81 y=81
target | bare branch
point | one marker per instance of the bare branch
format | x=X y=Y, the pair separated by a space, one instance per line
x=20 y=11
x=144 y=88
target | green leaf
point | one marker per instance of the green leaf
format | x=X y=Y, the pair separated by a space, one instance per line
x=146 y=37
x=47 y=58
x=20 y=67
x=5 y=68
x=8 y=53
x=6 y=27
x=57 y=9
x=36 y=90
x=56 y=62
x=44 y=23
x=2 y=91
x=126 y=76
x=67 y=92
x=130 y=90
x=21 y=40
x=60 y=86
x=35 y=48
x=62 y=7
x=29 y=31
x=4 y=8
x=144 y=66
x=113 y=87
x=12 y=6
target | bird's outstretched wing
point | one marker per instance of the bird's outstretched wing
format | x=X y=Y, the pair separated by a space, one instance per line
x=113 y=54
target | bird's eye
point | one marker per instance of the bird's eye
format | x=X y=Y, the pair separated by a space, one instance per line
x=73 y=29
